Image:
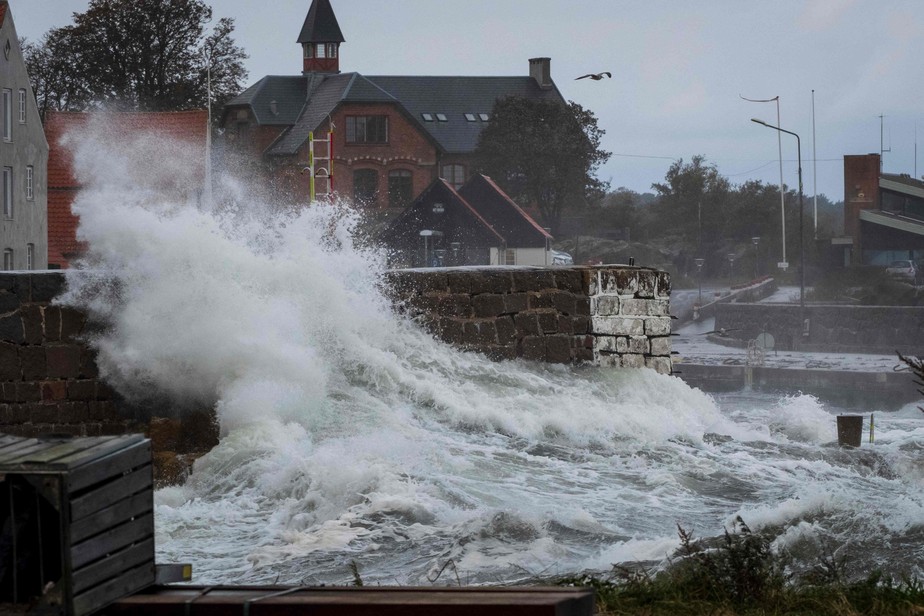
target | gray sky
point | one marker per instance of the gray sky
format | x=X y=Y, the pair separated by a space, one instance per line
x=678 y=69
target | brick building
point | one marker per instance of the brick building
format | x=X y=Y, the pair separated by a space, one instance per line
x=883 y=212
x=392 y=135
x=184 y=127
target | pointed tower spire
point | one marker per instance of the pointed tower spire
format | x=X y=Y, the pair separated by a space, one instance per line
x=320 y=39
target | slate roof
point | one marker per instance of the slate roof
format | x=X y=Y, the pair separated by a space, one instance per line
x=454 y=97
x=289 y=93
x=506 y=217
x=333 y=90
x=320 y=25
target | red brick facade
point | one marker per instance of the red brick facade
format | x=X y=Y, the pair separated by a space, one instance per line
x=861 y=192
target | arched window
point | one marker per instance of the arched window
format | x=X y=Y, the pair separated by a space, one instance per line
x=455 y=175
x=365 y=186
x=400 y=188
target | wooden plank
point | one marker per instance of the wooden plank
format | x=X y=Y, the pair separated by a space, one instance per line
x=112 y=540
x=111 y=516
x=378 y=601
x=55 y=449
x=111 y=465
x=132 y=581
x=109 y=445
x=9 y=439
x=113 y=565
x=110 y=492
x=9 y=463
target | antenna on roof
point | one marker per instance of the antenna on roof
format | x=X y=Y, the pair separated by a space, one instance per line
x=882 y=149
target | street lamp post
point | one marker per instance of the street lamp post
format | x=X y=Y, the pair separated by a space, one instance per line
x=756 y=240
x=801 y=217
x=699 y=277
x=731 y=265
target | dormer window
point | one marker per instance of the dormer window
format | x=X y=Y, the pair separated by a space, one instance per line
x=322 y=50
x=309 y=50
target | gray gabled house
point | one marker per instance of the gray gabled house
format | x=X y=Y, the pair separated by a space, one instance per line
x=23 y=159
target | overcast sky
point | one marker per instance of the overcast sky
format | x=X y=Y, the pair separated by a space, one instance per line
x=678 y=70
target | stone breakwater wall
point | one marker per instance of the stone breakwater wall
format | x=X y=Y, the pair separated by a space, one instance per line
x=604 y=315
x=49 y=381
x=844 y=329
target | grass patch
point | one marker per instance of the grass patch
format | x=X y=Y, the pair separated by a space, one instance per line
x=740 y=575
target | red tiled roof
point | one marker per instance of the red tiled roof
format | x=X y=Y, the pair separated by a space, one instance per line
x=188 y=126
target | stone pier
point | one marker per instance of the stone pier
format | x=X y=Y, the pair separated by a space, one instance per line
x=604 y=315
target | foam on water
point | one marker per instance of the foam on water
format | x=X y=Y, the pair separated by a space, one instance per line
x=350 y=435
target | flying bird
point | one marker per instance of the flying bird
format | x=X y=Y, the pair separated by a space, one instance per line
x=595 y=76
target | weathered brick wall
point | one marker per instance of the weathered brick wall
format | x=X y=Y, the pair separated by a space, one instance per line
x=49 y=381
x=606 y=315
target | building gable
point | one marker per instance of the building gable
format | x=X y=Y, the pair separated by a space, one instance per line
x=500 y=211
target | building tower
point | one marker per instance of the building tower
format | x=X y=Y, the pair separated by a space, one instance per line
x=320 y=39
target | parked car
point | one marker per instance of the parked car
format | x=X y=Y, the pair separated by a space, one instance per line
x=903 y=269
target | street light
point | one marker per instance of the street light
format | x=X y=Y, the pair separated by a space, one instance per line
x=801 y=221
x=699 y=276
x=756 y=240
x=779 y=144
x=731 y=265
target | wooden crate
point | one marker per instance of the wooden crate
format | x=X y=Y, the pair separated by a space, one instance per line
x=76 y=522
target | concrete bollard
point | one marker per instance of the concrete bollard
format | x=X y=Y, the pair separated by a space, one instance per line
x=849 y=430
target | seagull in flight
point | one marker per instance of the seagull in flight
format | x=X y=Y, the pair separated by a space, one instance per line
x=595 y=76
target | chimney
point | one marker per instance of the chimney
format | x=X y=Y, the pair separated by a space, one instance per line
x=540 y=70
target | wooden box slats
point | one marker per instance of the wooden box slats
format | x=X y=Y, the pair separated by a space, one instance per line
x=102 y=493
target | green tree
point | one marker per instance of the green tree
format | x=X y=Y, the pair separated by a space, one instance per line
x=543 y=153
x=692 y=202
x=138 y=56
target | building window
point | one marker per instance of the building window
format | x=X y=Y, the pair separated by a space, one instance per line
x=367 y=129
x=470 y=117
x=22 y=106
x=332 y=50
x=455 y=175
x=400 y=188
x=30 y=256
x=30 y=170
x=8 y=192
x=484 y=117
x=510 y=256
x=309 y=50
x=7 y=114
x=428 y=117
x=8 y=259
x=322 y=50
x=365 y=186
x=442 y=117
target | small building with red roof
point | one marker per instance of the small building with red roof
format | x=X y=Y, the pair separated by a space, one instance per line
x=477 y=225
x=188 y=128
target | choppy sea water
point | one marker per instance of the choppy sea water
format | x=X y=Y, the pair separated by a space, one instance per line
x=350 y=436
